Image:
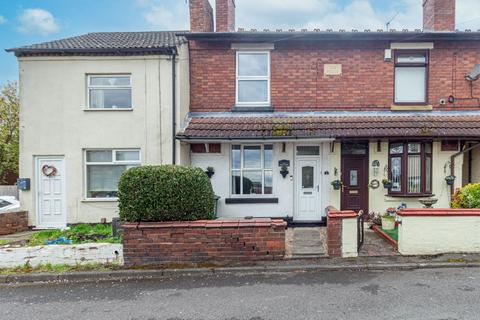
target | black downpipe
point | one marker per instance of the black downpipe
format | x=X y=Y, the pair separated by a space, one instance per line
x=174 y=107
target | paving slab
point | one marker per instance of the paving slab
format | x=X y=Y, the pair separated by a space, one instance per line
x=306 y=242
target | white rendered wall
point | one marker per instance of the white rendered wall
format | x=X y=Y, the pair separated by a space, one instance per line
x=435 y=234
x=349 y=238
x=62 y=254
x=54 y=120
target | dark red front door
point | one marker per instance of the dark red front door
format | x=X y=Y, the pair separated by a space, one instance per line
x=355 y=182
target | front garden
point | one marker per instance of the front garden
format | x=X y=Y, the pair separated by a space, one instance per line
x=76 y=234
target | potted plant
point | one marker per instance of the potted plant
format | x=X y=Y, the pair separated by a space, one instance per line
x=388 y=222
x=450 y=180
x=387 y=184
x=210 y=172
x=336 y=184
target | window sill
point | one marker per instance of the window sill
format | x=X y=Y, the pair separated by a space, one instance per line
x=424 y=195
x=250 y=200
x=108 y=110
x=408 y=107
x=100 y=200
x=242 y=108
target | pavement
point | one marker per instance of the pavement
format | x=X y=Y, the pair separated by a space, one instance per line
x=392 y=294
x=291 y=265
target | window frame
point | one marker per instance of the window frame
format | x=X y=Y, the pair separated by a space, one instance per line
x=404 y=169
x=239 y=78
x=241 y=170
x=113 y=162
x=108 y=75
x=425 y=65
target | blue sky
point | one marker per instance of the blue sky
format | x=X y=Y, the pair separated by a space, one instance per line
x=31 y=21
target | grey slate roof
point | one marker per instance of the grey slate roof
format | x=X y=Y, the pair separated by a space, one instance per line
x=107 y=43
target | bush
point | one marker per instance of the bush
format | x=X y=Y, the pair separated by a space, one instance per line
x=467 y=197
x=165 y=193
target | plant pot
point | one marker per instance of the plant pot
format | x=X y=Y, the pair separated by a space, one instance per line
x=450 y=182
x=387 y=185
x=388 y=223
x=336 y=185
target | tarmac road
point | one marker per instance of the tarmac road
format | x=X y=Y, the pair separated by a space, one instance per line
x=419 y=294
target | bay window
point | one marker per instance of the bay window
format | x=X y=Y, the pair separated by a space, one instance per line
x=252 y=169
x=109 y=91
x=411 y=70
x=253 y=78
x=410 y=168
x=104 y=168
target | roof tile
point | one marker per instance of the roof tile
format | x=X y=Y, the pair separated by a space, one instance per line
x=114 y=42
x=238 y=127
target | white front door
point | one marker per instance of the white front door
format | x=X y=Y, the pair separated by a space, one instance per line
x=51 y=211
x=307 y=190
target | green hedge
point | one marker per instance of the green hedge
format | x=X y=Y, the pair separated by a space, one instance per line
x=165 y=193
x=467 y=197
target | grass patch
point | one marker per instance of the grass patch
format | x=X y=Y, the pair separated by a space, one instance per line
x=4 y=242
x=81 y=233
x=59 y=268
x=392 y=233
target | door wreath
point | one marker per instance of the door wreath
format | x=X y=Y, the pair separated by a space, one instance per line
x=49 y=171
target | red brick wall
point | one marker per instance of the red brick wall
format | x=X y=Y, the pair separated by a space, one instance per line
x=334 y=237
x=225 y=15
x=203 y=241
x=298 y=83
x=201 y=16
x=13 y=222
x=439 y=15
x=335 y=229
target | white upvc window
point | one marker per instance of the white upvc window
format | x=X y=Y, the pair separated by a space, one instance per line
x=104 y=168
x=253 y=78
x=251 y=170
x=109 y=91
x=411 y=76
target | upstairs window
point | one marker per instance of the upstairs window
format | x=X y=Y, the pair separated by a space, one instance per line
x=411 y=168
x=109 y=92
x=411 y=74
x=253 y=78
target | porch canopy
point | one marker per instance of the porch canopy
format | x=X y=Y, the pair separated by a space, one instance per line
x=283 y=126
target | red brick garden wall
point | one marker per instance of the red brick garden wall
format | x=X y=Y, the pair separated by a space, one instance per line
x=12 y=222
x=298 y=82
x=335 y=230
x=203 y=241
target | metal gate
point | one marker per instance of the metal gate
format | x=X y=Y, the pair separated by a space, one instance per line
x=360 y=230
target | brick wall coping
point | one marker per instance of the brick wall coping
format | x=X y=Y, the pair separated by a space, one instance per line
x=334 y=213
x=14 y=211
x=438 y=212
x=208 y=224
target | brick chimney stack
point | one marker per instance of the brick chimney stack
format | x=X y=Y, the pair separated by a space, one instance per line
x=439 y=15
x=201 y=16
x=225 y=15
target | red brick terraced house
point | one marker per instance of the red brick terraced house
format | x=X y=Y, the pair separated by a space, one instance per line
x=294 y=121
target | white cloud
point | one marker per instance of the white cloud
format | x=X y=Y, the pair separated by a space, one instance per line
x=37 y=21
x=468 y=14
x=165 y=17
x=2 y=20
x=326 y=14
x=311 y=14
